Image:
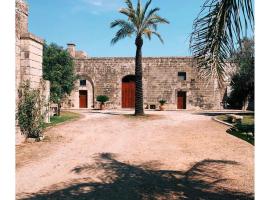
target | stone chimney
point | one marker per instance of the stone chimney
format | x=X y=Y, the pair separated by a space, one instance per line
x=71 y=48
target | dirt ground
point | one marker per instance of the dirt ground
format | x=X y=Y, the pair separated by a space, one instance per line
x=113 y=155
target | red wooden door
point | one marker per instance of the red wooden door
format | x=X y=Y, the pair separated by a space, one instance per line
x=83 y=98
x=128 y=94
x=181 y=100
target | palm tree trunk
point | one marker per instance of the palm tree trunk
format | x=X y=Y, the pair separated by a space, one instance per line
x=138 y=78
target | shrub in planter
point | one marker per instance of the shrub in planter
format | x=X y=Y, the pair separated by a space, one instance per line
x=102 y=99
x=29 y=113
x=162 y=102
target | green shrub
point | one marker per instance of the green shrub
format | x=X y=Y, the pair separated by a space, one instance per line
x=102 y=99
x=29 y=114
x=162 y=102
x=245 y=128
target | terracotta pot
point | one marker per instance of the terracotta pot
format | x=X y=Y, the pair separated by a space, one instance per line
x=161 y=107
x=102 y=106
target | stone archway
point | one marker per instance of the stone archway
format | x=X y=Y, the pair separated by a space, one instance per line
x=128 y=91
x=85 y=93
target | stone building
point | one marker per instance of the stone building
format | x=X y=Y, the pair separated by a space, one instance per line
x=29 y=54
x=171 y=78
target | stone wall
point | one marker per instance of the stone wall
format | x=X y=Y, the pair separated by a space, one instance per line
x=160 y=81
x=21 y=27
x=29 y=54
x=31 y=59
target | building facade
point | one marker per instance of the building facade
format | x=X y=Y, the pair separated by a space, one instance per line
x=29 y=54
x=173 y=79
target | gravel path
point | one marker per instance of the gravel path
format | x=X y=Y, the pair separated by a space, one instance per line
x=112 y=155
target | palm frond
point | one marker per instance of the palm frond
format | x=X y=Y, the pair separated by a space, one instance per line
x=152 y=20
x=148 y=33
x=122 y=23
x=139 y=22
x=146 y=8
x=130 y=5
x=126 y=29
x=159 y=36
x=139 y=8
x=157 y=19
x=216 y=31
x=151 y=12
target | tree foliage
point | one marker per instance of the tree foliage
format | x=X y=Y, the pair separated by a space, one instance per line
x=243 y=81
x=141 y=21
x=58 y=68
x=102 y=99
x=217 y=30
x=29 y=114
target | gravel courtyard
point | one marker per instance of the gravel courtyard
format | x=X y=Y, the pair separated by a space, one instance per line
x=111 y=155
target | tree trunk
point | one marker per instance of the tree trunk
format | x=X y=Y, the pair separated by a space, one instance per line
x=138 y=77
x=58 y=109
x=245 y=103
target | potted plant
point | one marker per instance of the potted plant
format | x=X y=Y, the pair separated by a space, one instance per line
x=102 y=99
x=162 y=102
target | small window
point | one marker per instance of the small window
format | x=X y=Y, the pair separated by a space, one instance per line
x=152 y=106
x=82 y=82
x=182 y=76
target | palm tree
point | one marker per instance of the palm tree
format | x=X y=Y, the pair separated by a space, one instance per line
x=140 y=22
x=217 y=30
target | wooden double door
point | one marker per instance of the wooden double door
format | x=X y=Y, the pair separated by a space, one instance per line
x=181 y=100
x=128 y=94
x=83 y=98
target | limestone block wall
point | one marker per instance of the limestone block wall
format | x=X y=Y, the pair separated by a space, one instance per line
x=160 y=81
x=31 y=59
x=21 y=27
x=21 y=18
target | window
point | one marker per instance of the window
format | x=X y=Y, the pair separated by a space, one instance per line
x=82 y=82
x=182 y=76
x=152 y=106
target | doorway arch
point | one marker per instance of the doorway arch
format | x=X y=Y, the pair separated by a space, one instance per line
x=128 y=91
x=85 y=92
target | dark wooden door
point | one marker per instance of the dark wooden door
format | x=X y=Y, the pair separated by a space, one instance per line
x=128 y=94
x=181 y=100
x=83 y=98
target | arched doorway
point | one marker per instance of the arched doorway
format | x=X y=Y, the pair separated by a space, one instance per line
x=128 y=91
x=85 y=93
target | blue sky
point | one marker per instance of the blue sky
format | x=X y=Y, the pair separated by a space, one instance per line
x=86 y=23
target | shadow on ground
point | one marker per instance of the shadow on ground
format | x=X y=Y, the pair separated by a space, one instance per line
x=123 y=181
x=130 y=116
x=212 y=113
x=104 y=113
